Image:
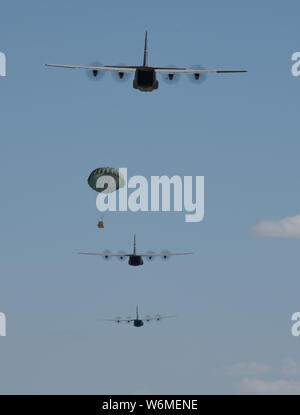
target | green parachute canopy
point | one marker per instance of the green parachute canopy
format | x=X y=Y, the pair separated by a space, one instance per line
x=106 y=180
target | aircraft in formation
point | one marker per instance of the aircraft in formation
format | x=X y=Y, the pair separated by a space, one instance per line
x=137 y=321
x=145 y=76
x=136 y=259
x=145 y=80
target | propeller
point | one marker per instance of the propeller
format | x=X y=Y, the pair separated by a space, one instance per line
x=157 y=317
x=149 y=257
x=95 y=75
x=118 y=319
x=170 y=78
x=107 y=258
x=122 y=256
x=128 y=319
x=197 y=78
x=147 y=319
x=121 y=76
x=165 y=255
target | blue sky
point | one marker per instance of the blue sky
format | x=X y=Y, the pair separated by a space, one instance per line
x=235 y=296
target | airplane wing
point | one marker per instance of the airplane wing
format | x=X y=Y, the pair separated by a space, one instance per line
x=108 y=68
x=96 y=68
x=119 y=320
x=157 y=317
x=193 y=71
x=165 y=254
x=104 y=254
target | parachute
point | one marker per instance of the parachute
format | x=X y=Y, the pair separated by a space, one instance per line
x=106 y=180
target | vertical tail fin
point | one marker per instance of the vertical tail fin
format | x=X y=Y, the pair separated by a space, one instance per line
x=134 y=245
x=137 y=312
x=145 y=63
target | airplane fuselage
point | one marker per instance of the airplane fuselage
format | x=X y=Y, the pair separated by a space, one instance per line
x=138 y=323
x=135 y=260
x=145 y=79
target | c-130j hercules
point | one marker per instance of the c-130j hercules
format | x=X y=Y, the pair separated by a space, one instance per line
x=135 y=259
x=145 y=75
x=137 y=321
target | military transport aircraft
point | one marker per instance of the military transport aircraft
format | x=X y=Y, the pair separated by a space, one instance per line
x=137 y=321
x=145 y=75
x=135 y=259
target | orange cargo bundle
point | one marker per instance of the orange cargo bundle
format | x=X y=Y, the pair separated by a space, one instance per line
x=100 y=224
